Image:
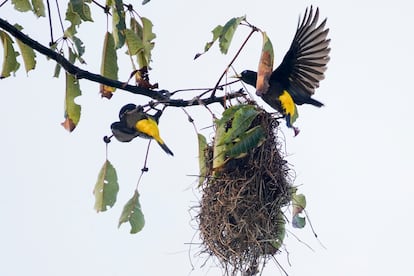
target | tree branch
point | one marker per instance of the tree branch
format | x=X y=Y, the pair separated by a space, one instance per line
x=162 y=96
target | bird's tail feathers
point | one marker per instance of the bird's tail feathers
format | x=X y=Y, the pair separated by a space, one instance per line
x=314 y=102
x=165 y=148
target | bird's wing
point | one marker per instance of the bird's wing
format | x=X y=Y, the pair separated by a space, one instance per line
x=305 y=63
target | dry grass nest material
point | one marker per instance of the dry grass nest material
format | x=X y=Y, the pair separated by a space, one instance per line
x=240 y=219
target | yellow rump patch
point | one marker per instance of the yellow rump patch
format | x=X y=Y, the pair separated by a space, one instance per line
x=149 y=127
x=288 y=106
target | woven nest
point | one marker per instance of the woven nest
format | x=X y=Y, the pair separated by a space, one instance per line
x=241 y=221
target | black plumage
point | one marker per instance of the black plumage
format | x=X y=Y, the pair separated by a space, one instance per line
x=301 y=69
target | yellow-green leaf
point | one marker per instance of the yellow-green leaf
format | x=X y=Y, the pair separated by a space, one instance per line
x=265 y=66
x=38 y=8
x=202 y=158
x=140 y=40
x=109 y=64
x=22 y=5
x=10 y=63
x=106 y=187
x=224 y=34
x=228 y=32
x=134 y=43
x=27 y=52
x=217 y=31
x=132 y=213
x=72 y=110
x=118 y=23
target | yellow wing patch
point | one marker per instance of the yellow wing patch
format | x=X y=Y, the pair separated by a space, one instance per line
x=149 y=127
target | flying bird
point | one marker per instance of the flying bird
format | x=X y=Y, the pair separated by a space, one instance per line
x=294 y=81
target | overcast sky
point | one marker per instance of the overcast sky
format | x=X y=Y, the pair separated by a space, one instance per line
x=353 y=157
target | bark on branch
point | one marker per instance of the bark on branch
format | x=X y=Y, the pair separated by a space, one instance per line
x=162 y=96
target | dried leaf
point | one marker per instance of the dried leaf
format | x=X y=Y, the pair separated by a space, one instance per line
x=265 y=66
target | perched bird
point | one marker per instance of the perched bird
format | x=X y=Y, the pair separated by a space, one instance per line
x=133 y=122
x=295 y=79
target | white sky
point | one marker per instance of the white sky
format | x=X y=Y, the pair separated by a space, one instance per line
x=353 y=157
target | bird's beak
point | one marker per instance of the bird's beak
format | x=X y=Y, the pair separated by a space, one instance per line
x=237 y=76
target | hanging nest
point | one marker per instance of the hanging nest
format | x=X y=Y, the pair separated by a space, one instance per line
x=244 y=184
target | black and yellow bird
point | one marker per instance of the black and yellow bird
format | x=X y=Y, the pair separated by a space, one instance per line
x=294 y=81
x=134 y=122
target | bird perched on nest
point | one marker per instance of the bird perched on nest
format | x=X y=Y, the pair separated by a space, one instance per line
x=133 y=122
x=303 y=66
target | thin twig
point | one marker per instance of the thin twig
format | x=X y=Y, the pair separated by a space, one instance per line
x=4 y=2
x=60 y=16
x=52 y=41
x=234 y=58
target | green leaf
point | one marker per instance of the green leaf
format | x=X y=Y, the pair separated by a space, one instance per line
x=228 y=32
x=80 y=48
x=299 y=204
x=132 y=213
x=106 y=187
x=219 y=148
x=134 y=43
x=253 y=138
x=140 y=40
x=109 y=65
x=56 y=72
x=216 y=34
x=22 y=5
x=118 y=23
x=27 y=52
x=38 y=8
x=265 y=66
x=242 y=120
x=72 y=110
x=82 y=9
x=280 y=231
x=74 y=19
x=224 y=34
x=202 y=157
x=10 y=63
x=148 y=36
